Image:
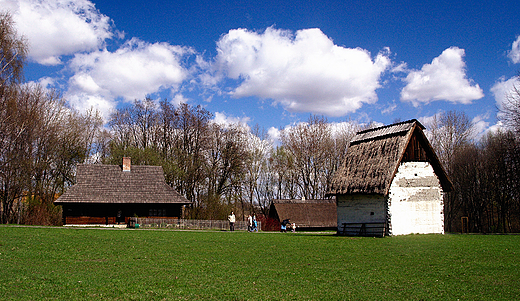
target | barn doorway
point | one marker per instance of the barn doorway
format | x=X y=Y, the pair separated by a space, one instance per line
x=120 y=217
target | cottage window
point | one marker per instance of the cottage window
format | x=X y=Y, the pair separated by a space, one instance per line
x=157 y=212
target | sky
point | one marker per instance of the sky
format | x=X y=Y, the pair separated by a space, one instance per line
x=274 y=63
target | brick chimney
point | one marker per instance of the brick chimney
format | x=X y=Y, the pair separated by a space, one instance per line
x=127 y=163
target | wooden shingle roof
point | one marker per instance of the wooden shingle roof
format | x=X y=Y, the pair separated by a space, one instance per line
x=97 y=183
x=374 y=156
x=307 y=213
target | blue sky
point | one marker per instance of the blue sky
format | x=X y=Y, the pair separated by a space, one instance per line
x=274 y=63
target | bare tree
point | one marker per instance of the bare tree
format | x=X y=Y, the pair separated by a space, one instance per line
x=44 y=142
x=257 y=149
x=471 y=183
x=191 y=139
x=120 y=123
x=447 y=133
x=309 y=143
x=225 y=168
x=502 y=162
x=12 y=149
x=316 y=149
x=145 y=120
x=510 y=110
x=284 y=172
x=13 y=52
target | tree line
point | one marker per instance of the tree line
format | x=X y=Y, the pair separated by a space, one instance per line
x=41 y=138
x=223 y=167
x=485 y=173
x=220 y=167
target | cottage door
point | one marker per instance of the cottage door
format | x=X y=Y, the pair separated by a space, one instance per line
x=120 y=218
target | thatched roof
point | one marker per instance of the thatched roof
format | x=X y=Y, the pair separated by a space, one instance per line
x=97 y=183
x=374 y=156
x=306 y=213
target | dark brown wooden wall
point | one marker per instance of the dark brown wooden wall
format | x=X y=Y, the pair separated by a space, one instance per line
x=108 y=213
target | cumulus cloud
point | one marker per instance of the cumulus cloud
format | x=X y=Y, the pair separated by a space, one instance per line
x=443 y=79
x=84 y=101
x=274 y=135
x=501 y=91
x=304 y=72
x=59 y=27
x=179 y=99
x=429 y=121
x=481 y=126
x=224 y=120
x=131 y=72
x=514 y=53
x=502 y=88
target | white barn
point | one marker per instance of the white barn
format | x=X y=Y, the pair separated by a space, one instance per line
x=391 y=183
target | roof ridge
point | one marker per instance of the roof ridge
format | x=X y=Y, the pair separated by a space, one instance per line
x=390 y=125
x=385 y=131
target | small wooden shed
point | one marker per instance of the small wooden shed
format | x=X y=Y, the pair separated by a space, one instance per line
x=306 y=214
x=110 y=194
x=391 y=183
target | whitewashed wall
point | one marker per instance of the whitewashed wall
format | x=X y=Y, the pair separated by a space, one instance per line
x=415 y=201
x=360 y=209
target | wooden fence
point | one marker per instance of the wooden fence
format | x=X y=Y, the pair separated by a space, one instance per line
x=363 y=229
x=187 y=224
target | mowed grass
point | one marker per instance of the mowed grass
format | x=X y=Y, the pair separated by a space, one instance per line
x=100 y=264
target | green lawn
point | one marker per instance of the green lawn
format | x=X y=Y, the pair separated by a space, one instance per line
x=92 y=264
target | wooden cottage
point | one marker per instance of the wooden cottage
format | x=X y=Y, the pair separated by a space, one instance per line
x=110 y=194
x=306 y=214
x=391 y=183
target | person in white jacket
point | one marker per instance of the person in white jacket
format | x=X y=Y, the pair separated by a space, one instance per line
x=249 y=223
x=231 y=219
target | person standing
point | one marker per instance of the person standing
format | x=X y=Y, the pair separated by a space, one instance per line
x=255 y=224
x=249 y=223
x=284 y=224
x=231 y=219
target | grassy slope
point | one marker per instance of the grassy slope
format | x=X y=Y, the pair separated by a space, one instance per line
x=75 y=264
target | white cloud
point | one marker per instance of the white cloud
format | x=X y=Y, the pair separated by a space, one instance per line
x=389 y=109
x=179 y=99
x=133 y=71
x=224 y=120
x=514 y=53
x=498 y=127
x=59 y=27
x=45 y=82
x=83 y=102
x=429 y=121
x=345 y=129
x=274 y=135
x=443 y=79
x=480 y=125
x=502 y=88
x=483 y=128
x=304 y=72
x=401 y=67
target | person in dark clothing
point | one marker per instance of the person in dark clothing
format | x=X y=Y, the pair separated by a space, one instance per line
x=285 y=222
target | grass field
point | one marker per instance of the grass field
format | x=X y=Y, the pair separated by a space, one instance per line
x=93 y=264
